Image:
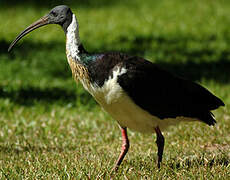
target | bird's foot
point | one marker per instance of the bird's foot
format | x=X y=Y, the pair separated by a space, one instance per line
x=159 y=165
x=115 y=168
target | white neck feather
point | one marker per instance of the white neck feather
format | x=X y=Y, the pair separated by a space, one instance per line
x=73 y=40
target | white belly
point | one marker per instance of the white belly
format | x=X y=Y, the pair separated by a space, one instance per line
x=121 y=107
x=128 y=114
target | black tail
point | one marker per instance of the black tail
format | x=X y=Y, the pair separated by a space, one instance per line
x=215 y=102
x=205 y=103
x=207 y=117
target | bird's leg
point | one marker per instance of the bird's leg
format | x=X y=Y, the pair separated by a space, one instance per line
x=160 y=144
x=124 y=148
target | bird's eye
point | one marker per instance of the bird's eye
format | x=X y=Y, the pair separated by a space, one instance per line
x=54 y=14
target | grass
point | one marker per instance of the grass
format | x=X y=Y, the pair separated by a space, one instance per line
x=52 y=129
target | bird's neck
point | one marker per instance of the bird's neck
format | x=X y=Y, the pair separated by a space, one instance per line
x=75 y=53
x=74 y=48
x=73 y=40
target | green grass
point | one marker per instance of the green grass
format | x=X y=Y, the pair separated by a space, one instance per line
x=50 y=128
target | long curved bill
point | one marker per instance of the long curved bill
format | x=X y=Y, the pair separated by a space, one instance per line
x=41 y=22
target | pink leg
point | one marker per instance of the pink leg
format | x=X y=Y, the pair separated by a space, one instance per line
x=124 y=148
x=160 y=144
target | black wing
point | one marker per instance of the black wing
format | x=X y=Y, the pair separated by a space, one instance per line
x=155 y=90
x=165 y=95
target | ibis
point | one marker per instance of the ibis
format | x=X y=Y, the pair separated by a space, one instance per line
x=137 y=93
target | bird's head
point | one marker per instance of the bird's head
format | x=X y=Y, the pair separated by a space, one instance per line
x=61 y=15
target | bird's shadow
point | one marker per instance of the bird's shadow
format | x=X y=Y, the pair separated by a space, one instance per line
x=175 y=55
x=30 y=95
x=177 y=58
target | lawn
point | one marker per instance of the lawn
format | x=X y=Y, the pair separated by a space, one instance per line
x=51 y=128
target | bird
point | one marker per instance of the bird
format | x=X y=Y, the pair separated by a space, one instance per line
x=137 y=93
